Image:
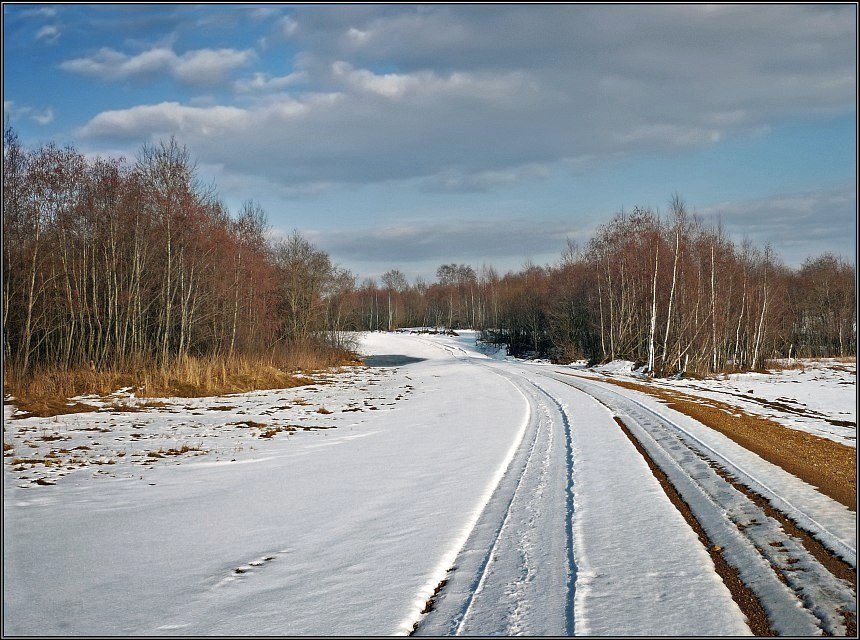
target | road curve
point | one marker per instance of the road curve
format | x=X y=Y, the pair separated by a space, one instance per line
x=578 y=537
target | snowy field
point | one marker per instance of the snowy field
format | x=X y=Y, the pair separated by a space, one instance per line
x=341 y=508
x=820 y=397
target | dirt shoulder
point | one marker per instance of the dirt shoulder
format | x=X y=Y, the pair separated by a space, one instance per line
x=827 y=465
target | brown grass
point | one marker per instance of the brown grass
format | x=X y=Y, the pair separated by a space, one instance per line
x=784 y=365
x=273 y=431
x=162 y=452
x=45 y=407
x=44 y=392
x=249 y=424
x=800 y=363
x=118 y=407
x=825 y=464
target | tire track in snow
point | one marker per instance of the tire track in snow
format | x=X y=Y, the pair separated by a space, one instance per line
x=800 y=595
x=832 y=541
x=515 y=574
x=568 y=520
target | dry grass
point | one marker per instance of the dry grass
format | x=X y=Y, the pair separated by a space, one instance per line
x=162 y=452
x=785 y=365
x=44 y=407
x=44 y=393
x=118 y=407
x=248 y=424
x=828 y=465
x=273 y=431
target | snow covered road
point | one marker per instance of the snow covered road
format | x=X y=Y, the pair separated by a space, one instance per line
x=484 y=497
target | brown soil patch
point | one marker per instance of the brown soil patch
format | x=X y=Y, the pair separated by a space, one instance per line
x=746 y=600
x=830 y=466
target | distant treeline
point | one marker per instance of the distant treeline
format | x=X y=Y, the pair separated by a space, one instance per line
x=109 y=264
x=671 y=294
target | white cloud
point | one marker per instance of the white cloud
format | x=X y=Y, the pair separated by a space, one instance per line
x=43 y=12
x=358 y=36
x=484 y=87
x=208 y=66
x=49 y=34
x=390 y=85
x=44 y=117
x=673 y=135
x=264 y=13
x=17 y=112
x=471 y=98
x=166 y=118
x=463 y=181
x=197 y=67
x=288 y=26
x=263 y=82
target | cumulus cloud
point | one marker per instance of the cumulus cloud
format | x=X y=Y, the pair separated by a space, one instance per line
x=166 y=118
x=197 y=67
x=463 y=98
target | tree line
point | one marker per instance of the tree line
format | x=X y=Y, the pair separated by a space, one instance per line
x=114 y=263
x=111 y=264
x=669 y=293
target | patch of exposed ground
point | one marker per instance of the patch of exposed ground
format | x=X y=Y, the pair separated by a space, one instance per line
x=827 y=465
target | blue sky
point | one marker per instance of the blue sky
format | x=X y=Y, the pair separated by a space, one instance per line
x=407 y=136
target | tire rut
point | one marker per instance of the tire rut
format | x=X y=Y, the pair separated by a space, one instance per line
x=501 y=582
x=799 y=594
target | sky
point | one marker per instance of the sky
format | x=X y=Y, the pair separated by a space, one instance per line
x=409 y=136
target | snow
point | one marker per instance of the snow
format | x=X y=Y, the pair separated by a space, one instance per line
x=443 y=461
x=358 y=527
x=632 y=546
x=752 y=542
x=819 y=398
x=831 y=522
x=816 y=398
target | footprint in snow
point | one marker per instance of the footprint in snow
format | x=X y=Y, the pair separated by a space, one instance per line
x=249 y=568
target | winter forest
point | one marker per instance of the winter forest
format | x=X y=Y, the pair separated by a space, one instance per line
x=117 y=265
